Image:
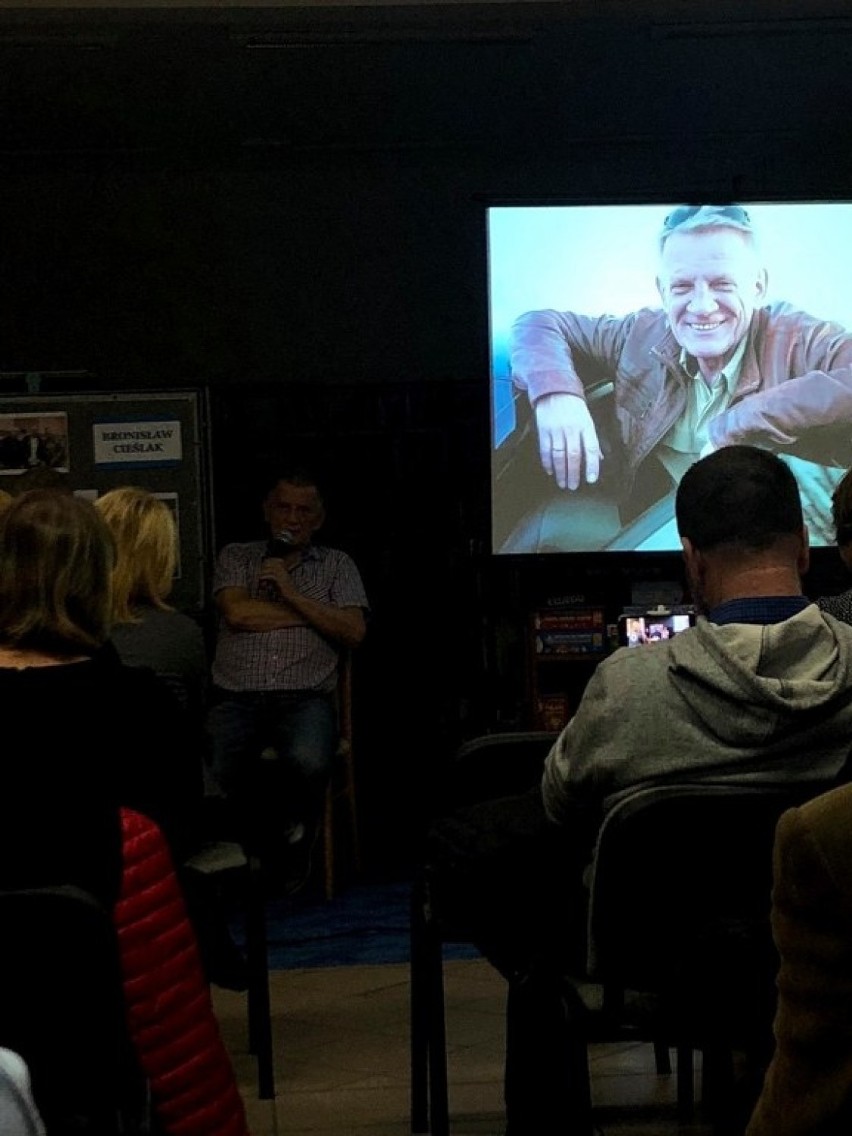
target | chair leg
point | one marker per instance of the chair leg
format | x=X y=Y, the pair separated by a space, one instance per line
x=717 y=1077
x=437 y=1048
x=662 y=1057
x=353 y=816
x=259 y=1010
x=685 y=1083
x=419 y=1024
x=328 y=841
x=328 y=827
x=429 y=1095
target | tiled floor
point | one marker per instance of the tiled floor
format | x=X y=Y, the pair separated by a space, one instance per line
x=341 y=1044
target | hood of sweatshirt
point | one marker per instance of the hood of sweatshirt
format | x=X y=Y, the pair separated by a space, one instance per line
x=782 y=674
x=743 y=703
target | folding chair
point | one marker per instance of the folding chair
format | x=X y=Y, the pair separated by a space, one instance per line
x=62 y=1009
x=678 y=912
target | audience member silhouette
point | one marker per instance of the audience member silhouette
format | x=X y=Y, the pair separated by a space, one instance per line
x=808 y=1087
x=95 y=758
x=146 y=630
x=758 y=692
x=841 y=513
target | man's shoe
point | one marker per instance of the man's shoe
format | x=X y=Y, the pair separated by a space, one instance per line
x=298 y=856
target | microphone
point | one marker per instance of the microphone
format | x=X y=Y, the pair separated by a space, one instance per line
x=280 y=545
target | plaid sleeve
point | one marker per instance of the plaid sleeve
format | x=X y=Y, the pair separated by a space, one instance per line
x=347 y=588
x=232 y=568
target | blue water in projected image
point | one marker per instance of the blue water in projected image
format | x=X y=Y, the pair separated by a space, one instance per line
x=602 y=259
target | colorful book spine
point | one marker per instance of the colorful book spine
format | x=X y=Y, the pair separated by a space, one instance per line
x=585 y=620
x=552 y=711
x=570 y=642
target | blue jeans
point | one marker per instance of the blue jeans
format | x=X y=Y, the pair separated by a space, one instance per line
x=300 y=725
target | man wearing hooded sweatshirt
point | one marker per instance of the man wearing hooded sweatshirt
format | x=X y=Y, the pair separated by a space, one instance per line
x=758 y=692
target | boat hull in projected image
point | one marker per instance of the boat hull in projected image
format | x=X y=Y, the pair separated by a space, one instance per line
x=738 y=330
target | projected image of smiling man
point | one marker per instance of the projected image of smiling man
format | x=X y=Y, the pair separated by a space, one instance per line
x=710 y=282
x=716 y=364
x=710 y=279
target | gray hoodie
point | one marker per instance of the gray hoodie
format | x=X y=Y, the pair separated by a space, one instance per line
x=723 y=703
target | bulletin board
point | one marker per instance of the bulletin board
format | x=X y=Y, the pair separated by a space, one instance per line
x=97 y=442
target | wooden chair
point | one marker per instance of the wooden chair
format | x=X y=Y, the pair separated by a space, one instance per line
x=341 y=784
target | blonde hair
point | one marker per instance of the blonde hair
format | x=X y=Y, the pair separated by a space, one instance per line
x=6 y=500
x=145 y=536
x=56 y=557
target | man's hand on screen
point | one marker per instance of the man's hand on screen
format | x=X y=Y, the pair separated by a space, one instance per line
x=567 y=440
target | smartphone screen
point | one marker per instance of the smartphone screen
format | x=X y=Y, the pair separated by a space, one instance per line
x=637 y=630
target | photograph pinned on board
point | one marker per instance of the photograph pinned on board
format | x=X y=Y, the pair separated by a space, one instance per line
x=32 y=441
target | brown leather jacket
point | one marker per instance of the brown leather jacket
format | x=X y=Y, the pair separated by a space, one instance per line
x=794 y=392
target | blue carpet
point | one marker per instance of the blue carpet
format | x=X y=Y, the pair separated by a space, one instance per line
x=368 y=923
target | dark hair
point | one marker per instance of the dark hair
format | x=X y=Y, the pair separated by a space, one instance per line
x=300 y=476
x=56 y=556
x=841 y=510
x=42 y=477
x=739 y=495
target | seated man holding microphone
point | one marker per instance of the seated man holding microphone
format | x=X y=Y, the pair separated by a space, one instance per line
x=287 y=608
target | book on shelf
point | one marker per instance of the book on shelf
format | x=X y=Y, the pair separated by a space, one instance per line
x=569 y=619
x=552 y=711
x=570 y=643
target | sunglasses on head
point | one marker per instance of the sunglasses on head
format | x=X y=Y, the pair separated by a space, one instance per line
x=684 y=213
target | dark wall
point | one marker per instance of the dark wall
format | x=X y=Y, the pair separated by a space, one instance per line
x=287 y=207
x=296 y=196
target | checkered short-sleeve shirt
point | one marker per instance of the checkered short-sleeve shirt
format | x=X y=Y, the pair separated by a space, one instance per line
x=293 y=658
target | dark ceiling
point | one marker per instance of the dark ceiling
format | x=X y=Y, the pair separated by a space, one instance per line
x=206 y=195
x=492 y=75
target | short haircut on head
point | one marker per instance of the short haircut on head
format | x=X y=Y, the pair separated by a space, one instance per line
x=300 y=476
x=703 y=218
x=145 y=536
x=739 y=496
x=56 y=557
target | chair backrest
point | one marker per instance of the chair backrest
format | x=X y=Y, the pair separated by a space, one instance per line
x=498 y=765
x=62 y=1010
x=673 y=865
x=344 y=698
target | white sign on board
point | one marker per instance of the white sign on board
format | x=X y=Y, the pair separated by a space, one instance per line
x=148 y=442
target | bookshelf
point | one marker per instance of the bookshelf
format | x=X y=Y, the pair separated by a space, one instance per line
x=565 y=644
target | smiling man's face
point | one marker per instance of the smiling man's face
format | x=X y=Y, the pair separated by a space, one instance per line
x=710 y=282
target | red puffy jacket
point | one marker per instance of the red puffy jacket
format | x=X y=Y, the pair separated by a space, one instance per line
x=172 y=1024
